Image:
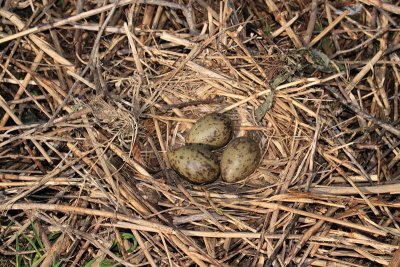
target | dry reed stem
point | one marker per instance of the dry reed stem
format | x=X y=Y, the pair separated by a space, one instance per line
x=344 y=190
x=93 y=95
x=385 y=6
x=275 y=12
x=328 y=29
x=87 y=14
x=24 y=84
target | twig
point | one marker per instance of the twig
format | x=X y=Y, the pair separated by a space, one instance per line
x=346 y=190
x=274 y=206
x=311 y=22
x=385 y=6
x=395 y=262
x=328 y=29
x=90 y=13
x=363 y=114
x=341 y=52
x=216 y=100
x=307 y=235
x=282 y=21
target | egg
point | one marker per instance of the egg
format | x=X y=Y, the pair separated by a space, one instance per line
x=213 y=130
x=239 y=159
x=195 y=163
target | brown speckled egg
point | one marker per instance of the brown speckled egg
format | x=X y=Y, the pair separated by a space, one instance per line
x=195 y=163
x=240 y=159
x=213 y=130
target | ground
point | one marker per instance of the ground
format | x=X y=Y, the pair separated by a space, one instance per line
x=95 y=93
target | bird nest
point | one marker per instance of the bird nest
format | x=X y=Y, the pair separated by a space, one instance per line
x=94 y=93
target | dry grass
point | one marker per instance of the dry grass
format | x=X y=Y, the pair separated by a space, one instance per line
x=93 y=93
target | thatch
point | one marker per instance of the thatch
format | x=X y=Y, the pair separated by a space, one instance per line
x=93 y=94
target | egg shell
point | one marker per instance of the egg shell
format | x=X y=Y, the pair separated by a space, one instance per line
x=240 y=159
x=213 y=130
x=195 y=163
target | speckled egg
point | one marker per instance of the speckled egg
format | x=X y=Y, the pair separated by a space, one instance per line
x=213 y=130
x=195 y=163
x=240 y=159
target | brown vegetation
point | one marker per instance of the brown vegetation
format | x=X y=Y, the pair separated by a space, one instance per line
x=93 y=94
